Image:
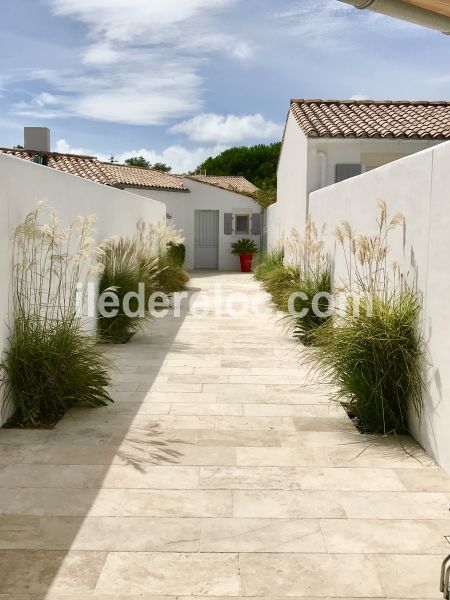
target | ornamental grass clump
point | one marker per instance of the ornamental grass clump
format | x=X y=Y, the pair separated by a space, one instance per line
x=267 y=262
x=134 y=269
x=166 y=240
x=298 y=278
x=51 y=362
x=176 y=254
x=130 y=277
x=308 y=301
x=371 y=353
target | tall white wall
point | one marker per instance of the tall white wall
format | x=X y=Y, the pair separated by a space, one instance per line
x=202 y=196
x=356 y=151
x=23 y=183
x=417 y=186
x=290 y=209
x=307 y=165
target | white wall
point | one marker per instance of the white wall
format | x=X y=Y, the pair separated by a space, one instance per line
x=202 y=196
x=418 y=187
x=290 y=209
x=354 y=151
x=307 y=165
x=23 y=183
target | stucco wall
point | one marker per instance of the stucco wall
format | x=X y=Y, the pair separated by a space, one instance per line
x=181 y=206
x=307 y=165
x=417 y=186
x=22 y=184
x=290 y=209
x=348 y=151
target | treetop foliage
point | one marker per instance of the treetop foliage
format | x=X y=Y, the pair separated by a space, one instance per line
x=257 y=163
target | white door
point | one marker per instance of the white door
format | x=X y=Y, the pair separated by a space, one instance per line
x=206 y=239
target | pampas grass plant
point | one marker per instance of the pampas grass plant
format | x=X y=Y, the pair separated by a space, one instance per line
x=50 y=362
x=128 y=262
x=301 y=267
x=372 y=352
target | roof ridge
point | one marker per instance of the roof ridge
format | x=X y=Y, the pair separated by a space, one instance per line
x=370 y=101
x=50 y=153
x=165 y=173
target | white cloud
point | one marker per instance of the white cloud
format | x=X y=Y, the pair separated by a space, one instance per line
x=126 y=20
x=359 y=97
x=180 y=158
x=101 y=54
x=121 y=97
x=332 y=24
x=140 y=62
x=242 y=51
x=65 y=148
x=221 y=129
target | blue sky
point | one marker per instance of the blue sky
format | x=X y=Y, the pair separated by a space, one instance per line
x=179 y=80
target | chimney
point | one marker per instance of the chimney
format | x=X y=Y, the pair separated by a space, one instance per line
x=37 y=139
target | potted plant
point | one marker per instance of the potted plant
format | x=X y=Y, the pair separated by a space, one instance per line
x=245 y=249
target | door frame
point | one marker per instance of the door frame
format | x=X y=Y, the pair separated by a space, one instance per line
x=196 y=241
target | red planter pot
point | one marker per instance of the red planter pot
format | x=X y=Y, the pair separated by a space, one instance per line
x=246 y=262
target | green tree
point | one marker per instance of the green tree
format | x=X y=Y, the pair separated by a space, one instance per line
x=265 y=196
x=162 y=167
x=137 y=161
x=258 y=164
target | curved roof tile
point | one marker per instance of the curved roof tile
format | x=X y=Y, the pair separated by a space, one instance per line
x=402 y=119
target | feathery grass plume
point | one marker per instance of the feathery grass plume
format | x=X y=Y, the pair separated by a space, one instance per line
x=372 y=352
x=157 y=239
x=128 y=262
x=295 y=277
x=50 y=362
x=310 y=295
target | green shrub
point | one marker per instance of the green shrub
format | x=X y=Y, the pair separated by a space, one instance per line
x=267 y=262
x=50 y=362
x=48 y=367
x=176 y=254
x=375 y=361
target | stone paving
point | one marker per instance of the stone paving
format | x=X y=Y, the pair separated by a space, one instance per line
x=220 y=471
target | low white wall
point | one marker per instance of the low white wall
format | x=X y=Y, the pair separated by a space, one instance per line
x=202 y=196
x=417 y=186
x=23 y=184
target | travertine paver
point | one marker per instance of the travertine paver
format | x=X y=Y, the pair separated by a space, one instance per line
x=221 y=471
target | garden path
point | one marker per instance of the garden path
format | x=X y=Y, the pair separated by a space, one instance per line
x=221 y=472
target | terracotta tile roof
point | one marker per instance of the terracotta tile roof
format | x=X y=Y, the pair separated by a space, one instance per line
x=91 y=168
x=83 y=166
x=237 y=184
x=143 y=178
x=373 y=119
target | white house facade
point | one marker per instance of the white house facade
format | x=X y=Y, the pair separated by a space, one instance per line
x=213 y=212
x=212 y=217
x=326 y=142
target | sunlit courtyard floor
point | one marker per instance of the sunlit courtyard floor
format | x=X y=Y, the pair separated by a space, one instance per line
x=222 y=471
